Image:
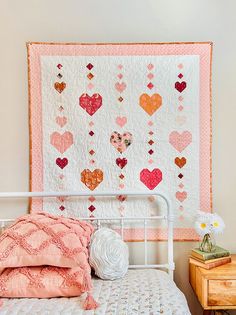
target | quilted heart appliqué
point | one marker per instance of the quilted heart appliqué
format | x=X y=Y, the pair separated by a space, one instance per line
x=180 y=162
x=151 y=178
x=181 y=195
x=121 y=162
x=90 y=103
x=60 y=86
x=180 y=141
x=121 y=121
x=92 y=179
x=180 y=86
x=61 y=162
x=150 y=103
x=61 y=121
x=61 y=142
x=121 y=142
x=120 y=87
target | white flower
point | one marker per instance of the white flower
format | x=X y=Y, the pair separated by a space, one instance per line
x=217 y=224
x=202 y=225
x=207 y=223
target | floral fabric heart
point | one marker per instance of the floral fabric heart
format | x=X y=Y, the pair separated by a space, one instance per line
x=90 y=103
x=121 y=142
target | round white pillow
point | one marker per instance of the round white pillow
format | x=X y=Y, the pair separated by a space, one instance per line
x=109 y=254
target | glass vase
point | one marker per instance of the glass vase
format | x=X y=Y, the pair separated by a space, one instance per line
x=208 y=244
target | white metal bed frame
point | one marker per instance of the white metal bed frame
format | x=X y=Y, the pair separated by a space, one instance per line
x=170 y=266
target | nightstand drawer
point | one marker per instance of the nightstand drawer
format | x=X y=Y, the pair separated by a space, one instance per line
x=221 y=292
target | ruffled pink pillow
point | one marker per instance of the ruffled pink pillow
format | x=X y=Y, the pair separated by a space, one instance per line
x=43 y=282
x=43 y=239
x=40 y=239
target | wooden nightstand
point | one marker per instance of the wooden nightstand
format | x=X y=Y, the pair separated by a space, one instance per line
x=215 y=288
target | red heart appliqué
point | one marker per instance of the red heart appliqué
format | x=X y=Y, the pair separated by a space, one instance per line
x=121 y=162
x=61 y=162
x=180 y=86
x=90 y=103
x=151 y=178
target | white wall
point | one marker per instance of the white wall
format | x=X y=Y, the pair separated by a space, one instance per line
x=119 y=21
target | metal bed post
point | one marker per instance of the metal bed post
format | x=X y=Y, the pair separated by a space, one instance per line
x=170 y=218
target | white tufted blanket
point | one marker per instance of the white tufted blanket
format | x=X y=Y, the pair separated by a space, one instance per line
x=146 y=292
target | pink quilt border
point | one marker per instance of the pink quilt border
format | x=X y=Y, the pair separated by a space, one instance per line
x=203 y=49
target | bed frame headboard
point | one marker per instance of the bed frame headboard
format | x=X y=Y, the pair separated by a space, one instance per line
x=169 y=217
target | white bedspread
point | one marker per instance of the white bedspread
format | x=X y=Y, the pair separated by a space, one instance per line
x=146 y=292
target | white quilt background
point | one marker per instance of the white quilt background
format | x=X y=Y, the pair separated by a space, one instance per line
x=134 y=71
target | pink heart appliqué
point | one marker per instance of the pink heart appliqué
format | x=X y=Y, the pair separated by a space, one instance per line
x=121 y=121
x=121 y=142
x=181 y=196
x=150 y=66
x=120 y=87
x=180 y=140
x=90 y=103
x=61 y=142
x=151 y=178
x=61 y=121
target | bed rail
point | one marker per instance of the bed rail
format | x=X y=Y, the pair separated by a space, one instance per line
x=170 y=266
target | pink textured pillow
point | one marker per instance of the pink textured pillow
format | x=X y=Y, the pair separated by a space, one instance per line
x=43 y=282
x=43 y=239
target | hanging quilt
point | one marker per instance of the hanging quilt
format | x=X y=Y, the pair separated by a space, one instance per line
x=119 y=118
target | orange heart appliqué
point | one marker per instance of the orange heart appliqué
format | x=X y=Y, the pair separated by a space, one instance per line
x=60 y=87
x=92 y=179
x=180 y=162
x=150 y=103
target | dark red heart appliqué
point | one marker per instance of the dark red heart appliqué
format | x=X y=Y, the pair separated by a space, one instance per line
x=121 y=162
x=151 y=178
x=180 y=86
x=90 y=103
x=61 y=162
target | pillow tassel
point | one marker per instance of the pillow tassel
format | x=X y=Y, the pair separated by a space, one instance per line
x=90 y=303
